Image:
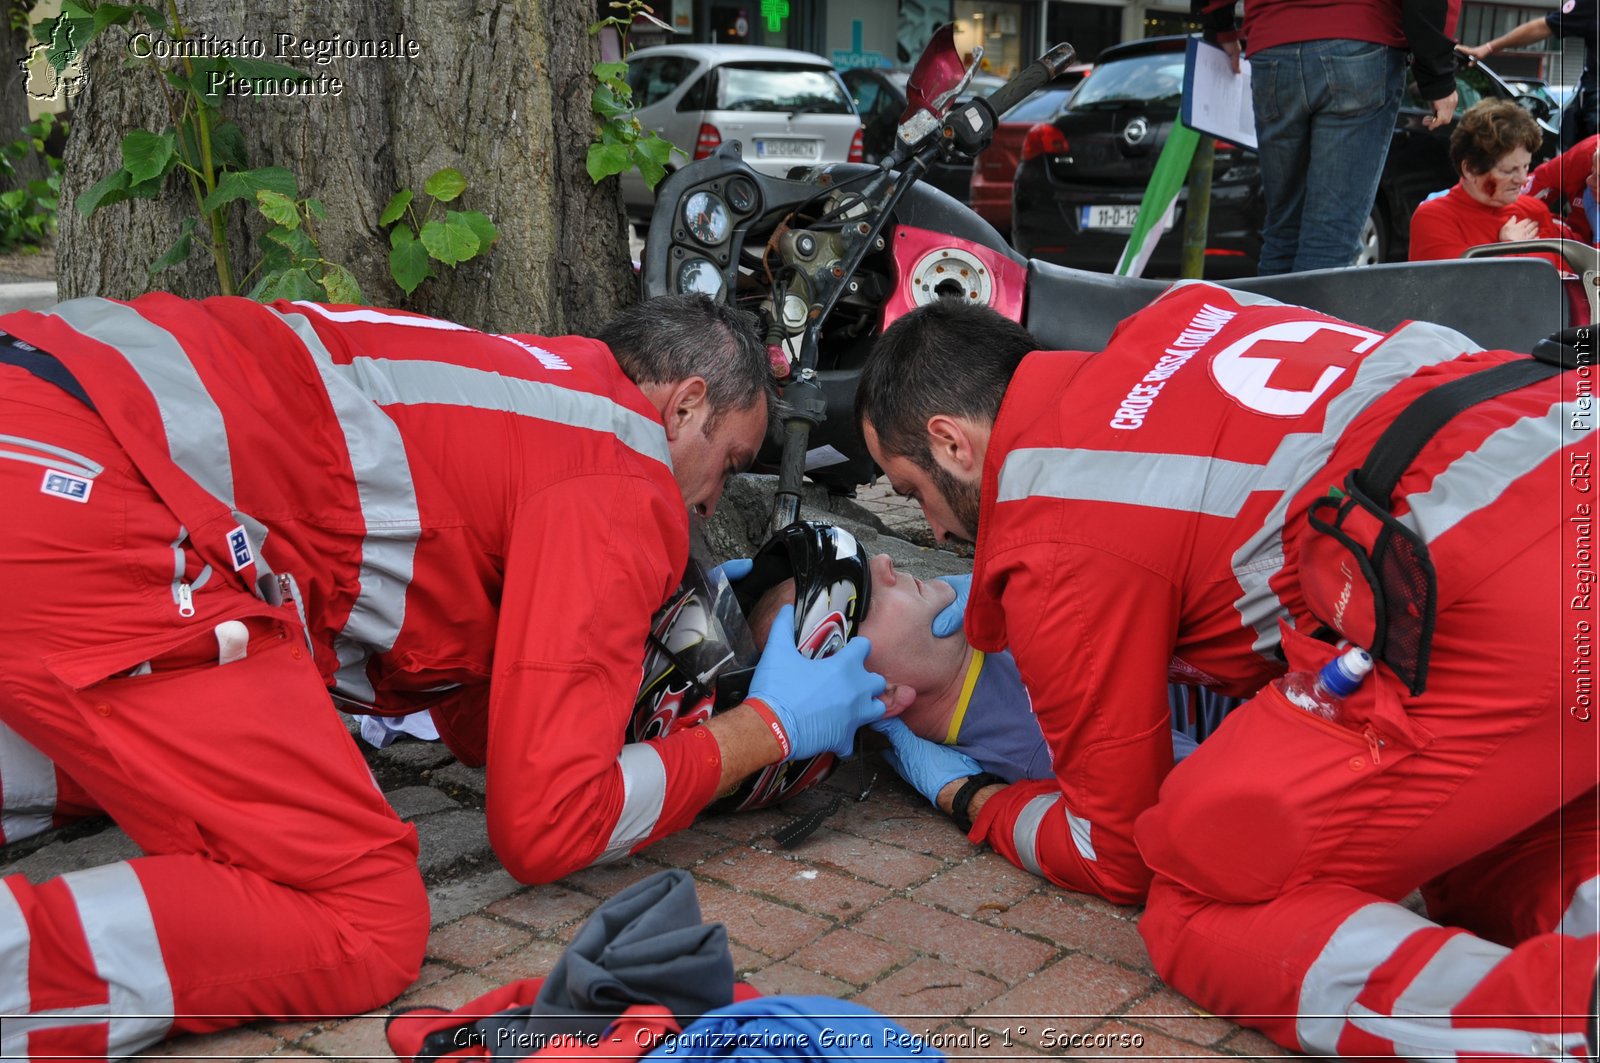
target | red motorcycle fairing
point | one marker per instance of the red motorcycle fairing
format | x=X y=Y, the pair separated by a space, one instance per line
x=929 y=264
x=939 y=70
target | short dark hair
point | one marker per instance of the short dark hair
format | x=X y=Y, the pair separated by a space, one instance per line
x=675 y=337
x=947 y=357
x=1488 y=132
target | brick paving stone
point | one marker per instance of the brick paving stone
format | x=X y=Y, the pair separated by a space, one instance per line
x=1073 y=994
x=358 y=1038
x=887 y=865
x=451 y=838
x=1173 y=1014
x=914 y=829
x=687 y=848
x=1118 y=1040
x=990 y=950
x=1253 y=1044
x=449 y=993
x=786 y=977
x=451 y=900
x=771 y=929
x=1098 y=929
x=928 y=993
x=986 y=887
x=544 y=907
x=852 y=956
x=822 y=891
x=743 y=827
x=474 y=941
x=533 y=960
x=461 y=777
x=411 y=801
x=747 y=962
x=607 y=880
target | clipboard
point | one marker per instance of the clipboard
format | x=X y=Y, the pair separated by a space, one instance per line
x=1216 y=101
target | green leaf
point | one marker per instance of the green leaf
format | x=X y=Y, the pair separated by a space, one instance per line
x=145 y=154
x=445 y=184
x=285 y=284
x=243 y=184
x=605 y=160
x=111 y=15
x=450 y=242
x=408 y=261
x=654 y=148
x=604 y=102
x=294 y=241
x=340 y=284
x=112 y=188
x=399 y=234
x=278 y=208
x=179 y=251
x=316 y=208
x=227 y=147
x=397 y=207
x=265 y=68
x=156 y=19
x=652 y=171
x=208 y=79
x=480 y=225
x=611 y=71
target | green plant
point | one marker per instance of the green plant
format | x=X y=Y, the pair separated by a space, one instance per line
x=28 y=212
x=415 y=243
x=623 y=141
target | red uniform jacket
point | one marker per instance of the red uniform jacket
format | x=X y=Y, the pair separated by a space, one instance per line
x=1558 y=183
x=1445 y=226
x=481 y=525
x=1138 y=523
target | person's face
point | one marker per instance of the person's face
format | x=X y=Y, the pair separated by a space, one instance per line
x=949 y=503
x=702 y=461
x=1501 y=186
x=899 y=620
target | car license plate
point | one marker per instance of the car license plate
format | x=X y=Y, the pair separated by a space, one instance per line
x=786 y=149
x=1107 y=217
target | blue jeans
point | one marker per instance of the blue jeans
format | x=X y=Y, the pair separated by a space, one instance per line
x=1325 y=113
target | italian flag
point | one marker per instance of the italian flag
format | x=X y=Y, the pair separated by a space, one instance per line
x=1160 y=201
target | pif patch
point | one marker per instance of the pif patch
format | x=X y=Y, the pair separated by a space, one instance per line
x=239 y=548
x=64 y=484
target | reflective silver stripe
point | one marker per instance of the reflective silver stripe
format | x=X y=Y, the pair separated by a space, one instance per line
x=1025 y=834
x=14 y=945
x=1185 y=482
x=127 y=954
x=1364 y=941
x=389 y=382
x=61 y=458
x=1582 y=916
x=1240 y=297
x=1081 y=835
x=1300 y=455
x=196 y=437
x=378 y=317
x=1421 y=1024
x=644 y=792
x=27 y=793
x=1475 y=479
x=391 y=521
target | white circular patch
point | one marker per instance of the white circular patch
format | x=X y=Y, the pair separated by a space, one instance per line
x=1276 y=371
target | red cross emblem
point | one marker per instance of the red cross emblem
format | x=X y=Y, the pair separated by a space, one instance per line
x=1283 y=368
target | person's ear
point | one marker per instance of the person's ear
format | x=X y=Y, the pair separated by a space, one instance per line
x=954 y=444
x=687 y=406
x=897 y=698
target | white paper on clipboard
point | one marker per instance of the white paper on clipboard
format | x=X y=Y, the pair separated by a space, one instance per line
x=1216 y=101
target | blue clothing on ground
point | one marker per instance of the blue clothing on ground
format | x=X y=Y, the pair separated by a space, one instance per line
x=794 y=1028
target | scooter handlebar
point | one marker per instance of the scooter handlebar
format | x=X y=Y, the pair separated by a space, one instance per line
x=1036 y=75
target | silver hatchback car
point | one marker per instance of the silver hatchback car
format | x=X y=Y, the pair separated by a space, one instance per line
x=786 y=108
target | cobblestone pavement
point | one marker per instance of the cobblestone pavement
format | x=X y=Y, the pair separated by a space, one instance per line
x=887 y=905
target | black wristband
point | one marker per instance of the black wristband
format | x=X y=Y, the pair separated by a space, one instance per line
x=964 y=796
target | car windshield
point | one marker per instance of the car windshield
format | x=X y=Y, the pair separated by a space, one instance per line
x=1040 y=107
x=775 y=87
x=1140 y=79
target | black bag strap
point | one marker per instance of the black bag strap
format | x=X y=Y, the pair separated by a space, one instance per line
x=1408 y=433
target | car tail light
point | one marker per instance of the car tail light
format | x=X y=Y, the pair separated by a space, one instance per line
x=1225 y=145
x=706 y=141
x=855 y=148
x=1043 y=139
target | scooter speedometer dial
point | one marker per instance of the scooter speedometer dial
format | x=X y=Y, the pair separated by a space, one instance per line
x=699 y=275
x=706 y=217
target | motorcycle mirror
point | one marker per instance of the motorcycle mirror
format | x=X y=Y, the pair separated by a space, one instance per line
x=936 y=78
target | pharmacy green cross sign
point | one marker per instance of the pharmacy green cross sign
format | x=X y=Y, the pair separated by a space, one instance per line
x=774 y=11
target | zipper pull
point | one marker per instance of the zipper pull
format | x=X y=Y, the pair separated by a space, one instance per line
x=185 y=600
x=1374 y=743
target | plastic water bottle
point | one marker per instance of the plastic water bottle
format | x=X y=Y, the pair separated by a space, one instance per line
x=1321 y=693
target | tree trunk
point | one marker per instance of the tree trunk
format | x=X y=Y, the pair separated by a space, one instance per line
x=500 y=91
x=15 y=44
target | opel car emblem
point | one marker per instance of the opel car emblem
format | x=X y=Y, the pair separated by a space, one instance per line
x=1135 y=131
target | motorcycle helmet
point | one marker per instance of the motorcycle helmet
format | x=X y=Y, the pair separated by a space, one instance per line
x=701 y=654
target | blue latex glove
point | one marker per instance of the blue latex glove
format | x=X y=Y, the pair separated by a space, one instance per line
x=735 y=568
x=928 y=766
x=948 y=622
x=819 y=703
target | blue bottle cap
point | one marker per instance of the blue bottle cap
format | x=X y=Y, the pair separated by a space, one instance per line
x=1345 y=672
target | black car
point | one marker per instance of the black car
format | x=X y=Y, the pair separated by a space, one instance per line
x=1082 y=175
x=880 y=99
